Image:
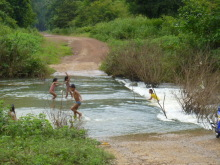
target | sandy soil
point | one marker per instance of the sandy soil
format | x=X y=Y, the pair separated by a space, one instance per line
x=199 y=147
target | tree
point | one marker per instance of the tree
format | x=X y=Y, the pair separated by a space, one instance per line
x=5 y=12
x=60 y=13
x=154 y=8
x=40 y=8
x=99 y=11
x=22 y=12
x=202 y=19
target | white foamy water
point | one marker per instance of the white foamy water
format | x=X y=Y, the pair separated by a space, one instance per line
x=168 y=95
x=87 y=73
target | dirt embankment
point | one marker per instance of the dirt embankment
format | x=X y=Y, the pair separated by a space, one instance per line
x=188 y=148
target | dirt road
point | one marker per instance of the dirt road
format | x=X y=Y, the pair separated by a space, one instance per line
x=87 y=54
x=198 y=147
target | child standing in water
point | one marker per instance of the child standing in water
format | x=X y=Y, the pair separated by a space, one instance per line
x=12 y=112
x=52 y=88
x=67 y=82
x=78 y=98
x=153 y=95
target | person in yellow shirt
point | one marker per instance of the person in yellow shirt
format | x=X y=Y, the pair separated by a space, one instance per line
x=153 y=95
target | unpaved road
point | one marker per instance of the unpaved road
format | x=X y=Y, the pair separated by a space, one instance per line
x=186 y=148
x=198 y=147
x=87 y=53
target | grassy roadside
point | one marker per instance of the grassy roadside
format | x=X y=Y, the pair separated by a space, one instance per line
x=52 y=51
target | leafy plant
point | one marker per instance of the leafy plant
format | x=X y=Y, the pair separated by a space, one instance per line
x=33 y=140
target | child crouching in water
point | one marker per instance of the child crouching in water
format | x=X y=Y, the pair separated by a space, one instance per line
x=53 y=86
x=153 y=95
x=78 y=98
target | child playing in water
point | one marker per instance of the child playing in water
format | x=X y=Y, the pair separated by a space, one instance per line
x=52 y=88
x=153 y=95
x=67 y=82
x=12 y=112
x=78 y=98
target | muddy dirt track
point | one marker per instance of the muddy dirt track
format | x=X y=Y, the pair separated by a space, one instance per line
x=198 y=147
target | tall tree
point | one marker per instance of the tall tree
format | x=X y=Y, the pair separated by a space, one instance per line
x=60 y=13
x=100 y=11
x=5 y=14
x=202 y=18
x=40 y=8
x=22 y=12
x=154 y=8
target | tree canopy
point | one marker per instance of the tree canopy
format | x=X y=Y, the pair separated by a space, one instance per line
x=202 y=19
x=154 y=8
x=18 y=12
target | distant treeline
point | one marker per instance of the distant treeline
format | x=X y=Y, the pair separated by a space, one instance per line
x=62 y=14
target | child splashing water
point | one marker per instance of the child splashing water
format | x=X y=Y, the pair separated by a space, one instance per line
x=67 y=82
x=53 y=86
x=78 y=98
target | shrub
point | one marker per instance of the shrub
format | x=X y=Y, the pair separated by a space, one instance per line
x=200 y=84
x=127 y=28
x=18 y=50
x=137 y=61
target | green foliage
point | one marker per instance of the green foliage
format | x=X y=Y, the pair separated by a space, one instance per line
x=40 y=8
x=127 y=28
x=4 y=30
x=19 y=11
x=68 y=13
x=52 y=51
x=170 y=42
x=61 y=13
x=202 y=19
x=5 y=11
x=32 y=140
x=155 y=8
x=99 y=11
x=18 y=54
x=165 y=33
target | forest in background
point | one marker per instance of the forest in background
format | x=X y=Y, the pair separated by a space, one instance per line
x=157 y=41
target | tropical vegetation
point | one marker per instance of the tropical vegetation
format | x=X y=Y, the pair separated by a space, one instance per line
x=151 y=41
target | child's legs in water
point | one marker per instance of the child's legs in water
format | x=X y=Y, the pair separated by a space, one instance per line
x=68 y=91
x=54 y=94
x=74 y=109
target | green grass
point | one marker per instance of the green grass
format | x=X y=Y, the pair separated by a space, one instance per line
x=43 y=150
x=52 y=51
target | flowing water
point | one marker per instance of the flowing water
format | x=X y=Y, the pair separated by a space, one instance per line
x=109 y=107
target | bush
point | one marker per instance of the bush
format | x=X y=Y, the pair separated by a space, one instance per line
x=18 y=55
x=200 y=82
x=127 y=28
x=137 y=61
